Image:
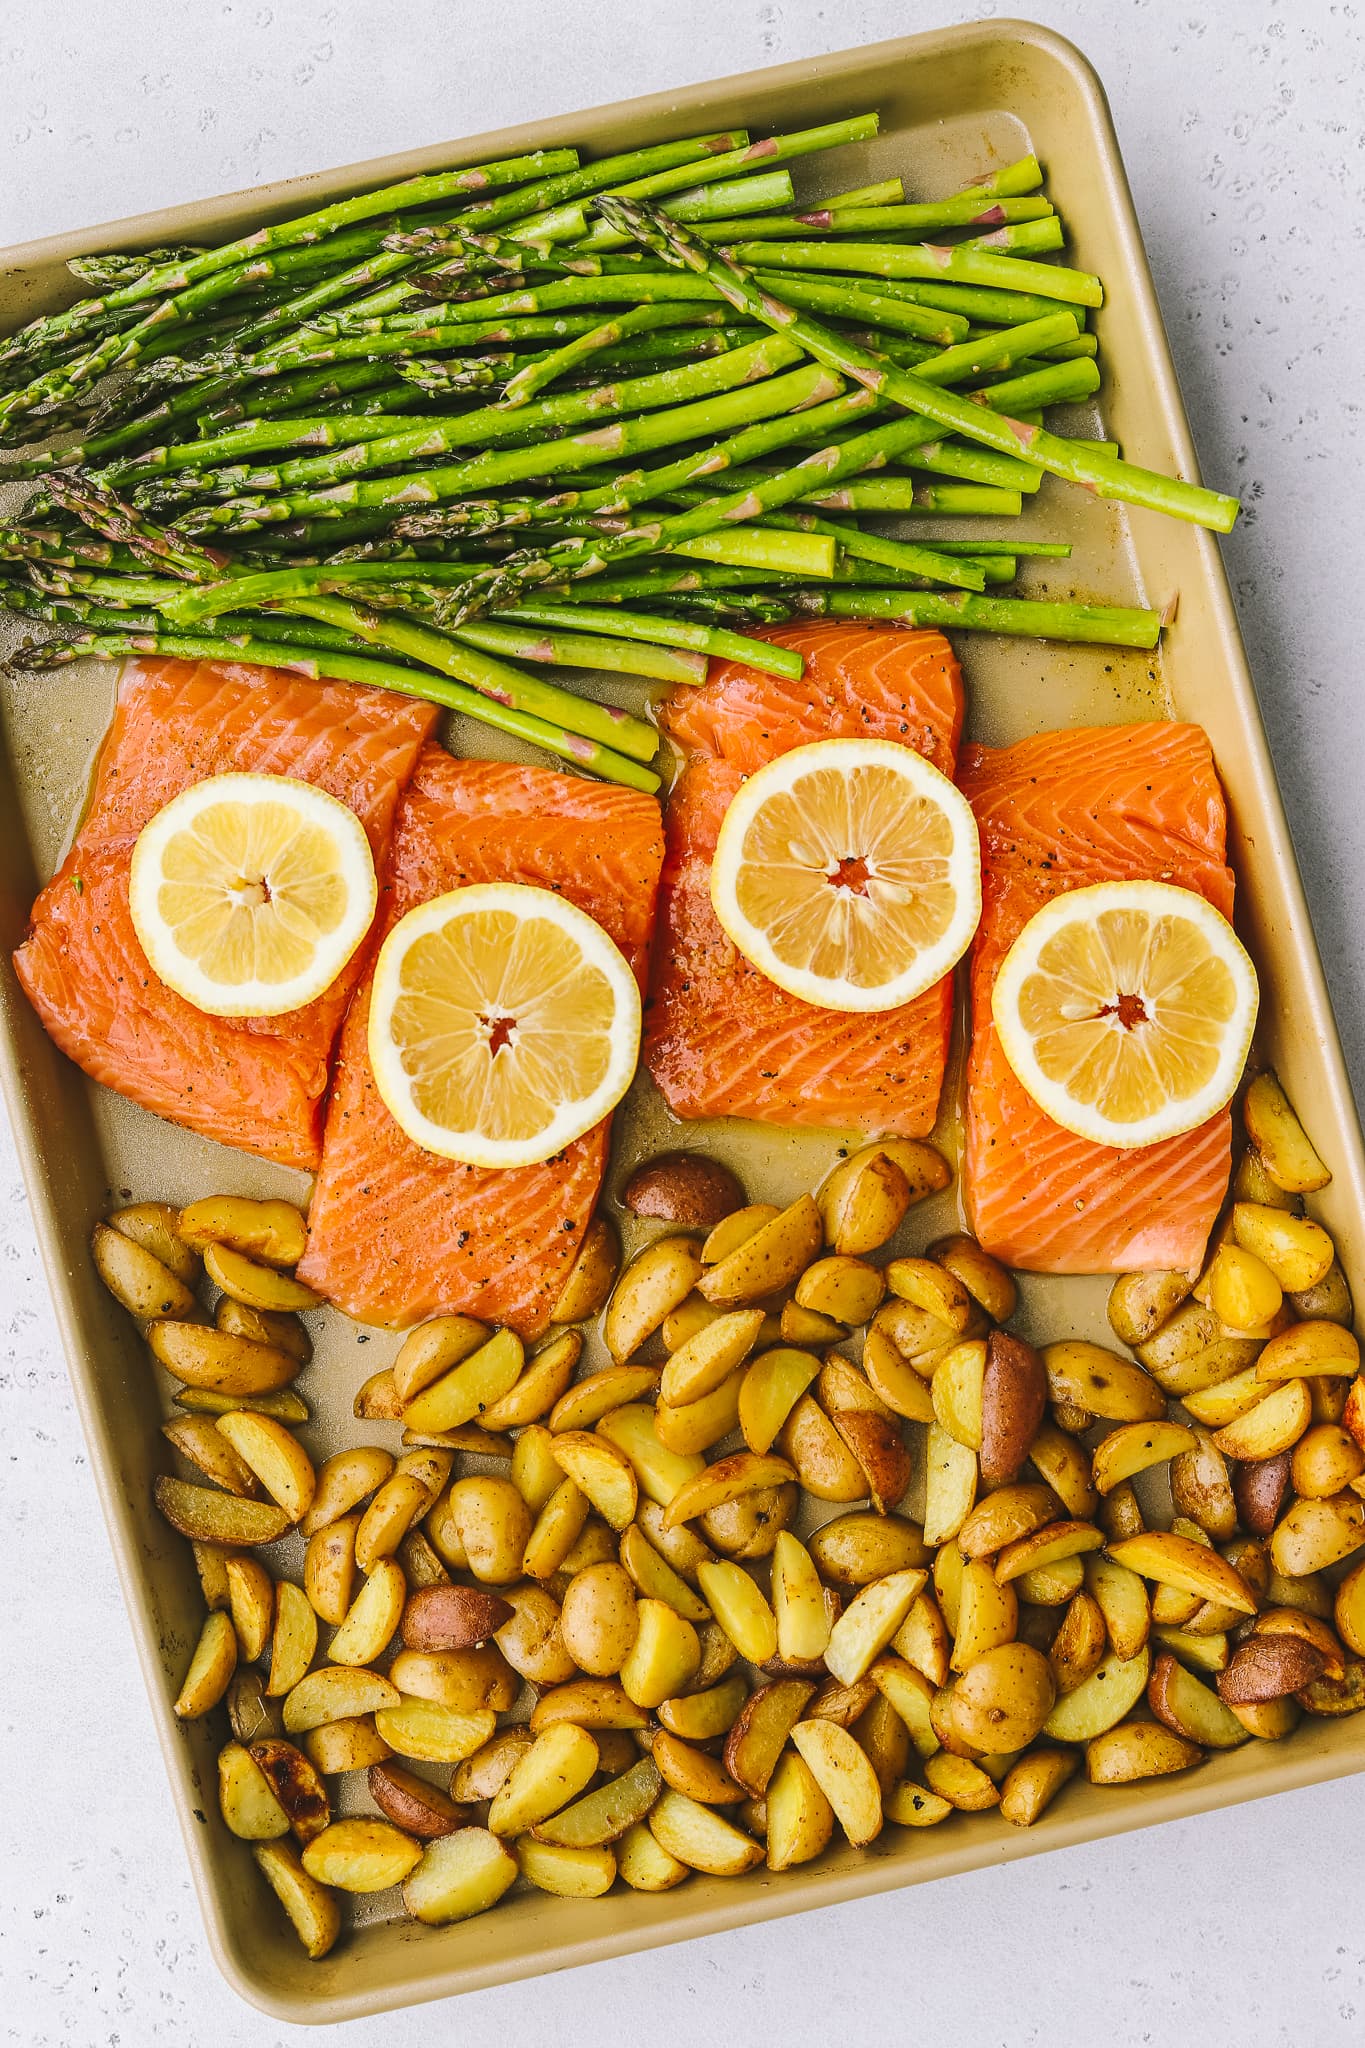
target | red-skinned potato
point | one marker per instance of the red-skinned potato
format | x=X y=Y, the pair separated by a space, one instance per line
x=1259 y=1488
x=683 y=1188
x=1013 y=1403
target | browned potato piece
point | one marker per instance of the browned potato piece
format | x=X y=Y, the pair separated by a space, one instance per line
x=1033 y=1783
x=608 y=1812
x=1268 y=1668
x=361 y=1855
x=211 y=1669
x=1014 y=1393
x=1202 y=1488
x=592 y=1274
x=452 y=1617
x=531 y=1640
x=1101 y=1383
x=767 y=1262
x=1334 y=1697
x=1324 y=1461
x=138 y=1280
x=1139 y=1303
x=206 y=1516
x=865 y=1198
x=1281 y=1142
x=1259 y=1488
x=297 y=1785
x=845 y=1775
x=683 y=1188
x=1138 y=1749
x=280 y=1329
x=274 y=1231
x=1079 y=1644
x=985 y=1279
x=1003 y=1698
x=312 y=1908
x=1182 y=1703
x=154 y=1226
x=348 y=1745
x=198 y=1438
x=414 y=1803
x=219 y=1363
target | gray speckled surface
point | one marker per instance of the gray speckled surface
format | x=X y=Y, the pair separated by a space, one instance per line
x=1244 y=131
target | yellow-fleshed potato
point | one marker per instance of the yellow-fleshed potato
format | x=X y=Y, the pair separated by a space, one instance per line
x=1317 y=1533
x=1120 y=1513
x=210 y=1670
x=557 y=1528
x=1240 y=1288
x=702 y=1423
x=1217 y=1406
x=531 y=1640
x=361 y=1855
x=1065 y=1466
x=595 y=1703
x=312 y=1909
x=250 y=1713
x=433 y=1734
x=659 y=1472
x=377 y=1400
x=1030 y=1786
x=930 y=1286
x=895 y=1382
x=700 y=1837
x=769 y=1390
x=199 y=1439
x=1053 y=1544
x=588 y=1400
x=402 y=1500
x=561 y=1763
x=853 y=1549
x=601 y=1472
x=1325 y=1460
x=819 y=1456
x=568 y=1873
x=652 y=1574
x=1333 y=1697
x=276 y=1457
x=344 y=1481
x=1112 y=1388
x=740 y=1608
x=956 y=1390
x=909 y=1805
x=1281 y=1142
x=494 y=1525
x=990 y=1284
x=729 y=1479
x=1100 y=1701
x=1270 y=1427
x=707 y=1359
x=336 y=1692
x=1307 y=1349
x=1133 y=1447
x=210 y=1563
x=800 y=1817
x=949 y=1566
x=844 y=1289
x=732 y=1231
x=1349 y=1610
x=702 y=1716
x=598 y=1620
x=951 y=1475
x=1079 y=1643
x=869 y=1622
x=663 y=1658
x=483 y=1775
x=255 y=1285
x=592 y=1274
x=293 y=1640
x=155 y=1227
x=644 y=1864
x=760 y=1732
x=281 y=1331
x=1200 y=1653
x=961 y=1781
x=1139 y=1303
x=1193 y=1352
x=458 y=1876
x=844 y=1774
x=1003 y=1697
x=1006 y=1515
x=1251 y=1183
x=296 y=1783
x=987 y=1613
x=284 y=1404
x=1138 y=1749
x=329 y=1569
x=251 y=1600
x=469 y=1388
x=432 y=1350
x=800 y=1609
x=1201 y=1488
x=543 y=1381
x=421 y=1566
x=138 y=1280
x=1329 y=1300
x=692 y=1771
x=1184 y=1704
x=217 y=1362
x=1175 y=1560
x=373 y=1616
x=1051 y=1585
x=864 y=1200
x=607 y=1813
x=339 y=1746
x=767 y=1261
x=535 y=1472
x=657 y=1281
x=274 y=1231
x=245 y=1799
x=1298 y=1252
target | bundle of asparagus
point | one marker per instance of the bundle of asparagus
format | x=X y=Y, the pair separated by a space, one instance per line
x=401 y=440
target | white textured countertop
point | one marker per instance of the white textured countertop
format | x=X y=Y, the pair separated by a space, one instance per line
x=1244 y=131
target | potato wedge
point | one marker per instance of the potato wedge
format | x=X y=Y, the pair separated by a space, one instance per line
x=864 y=1200
x=250 y=1713
x=1333 y=1697
x=414 y=1804
x=219 y=1363
x=245 y=1799
x=1280 y=1139
x=769 y=1390
x=1013 y=1403
x=909 y=1805
x=592 y=1274
x=897 y=1384
x=1050 y=1545
x=652 y=1575
x=296 y=1784
x=961 y=1781
x=210 y=1670
x=729 y=1479
x=1135 y=1446
x=1177 y=1561
x=276 y=1457
x=853 y=1549
x=493 y=1524
x=1270 y=1720
x=702 y=1716
x=464 y=1681
x=274 y=1231
x=339 y=1746
x=1079 y=1644
x=255 y=1285
x=690 y=1770
x=880 y=1451
x=1299 y=1253
x=1138 y=1749
x=700 y=1837
x=658 y=1280
x=560 y=1764
x=458 y=1876
x=708 y=1358
x=1325 y=1461
x=957 y=1390
x=987 y=1613
x=336 y=1692
x=1200 y=1653
x=928 y=1285
x=601 y=1472
x=1317 y=1533
x=1102 y=1700
x=605 y=1814
x=361 y=1856
x=377 y=1400
x=1308 y=1349
x=210 y=1565
x=312 y=1909
x=1269 y=1668
x=766 y=1262
x=665 y=1655
x=844 y=1290
x=344 y=1481
x=598 y=1619
x=800 y=1817
x=282 y=1332
x=950 y=1485
x=659 y=1472
x=206 y=1516
x=1202 y=1488
x=421 y=1566
x=1349 y=1610
x=703 y=1423
x=593 y=1703
x=1139 y=1303
x=1240 y=1288
x=869 y=1622
x=588 y=1400
x=329 y=1569
x=1178 y=1699
x=842 y=1771
x=1031 y=1785
x=566 y=1872
x=1329 y=1300
x=819 y=1456
x=431 y=1733
x=1051 y=1585
x=800 y=1609
x=138 y=1280
x=373 y=1616
x=199 y=1439
x=293 y=1640
x=468 y=1389
x=1272 y=1426
x=646 y=1866
x=1065 y=1466
x=740 y=1608
x=1102 y=1383
x=154 y=1226
x=1006 y=1515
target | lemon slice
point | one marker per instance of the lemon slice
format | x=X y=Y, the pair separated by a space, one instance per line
x=849 y=873
x=1126 y=1010
x=504 y=1023
x=250 y=893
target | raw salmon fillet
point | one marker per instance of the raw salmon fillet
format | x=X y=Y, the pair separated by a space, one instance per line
x=721 y=1040
x=395 y=1233
x=257 y=1083
x=1060 y=812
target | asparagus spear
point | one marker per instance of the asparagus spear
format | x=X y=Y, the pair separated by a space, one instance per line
x=773 y=661
x=1110 y=626
x=910 y=222
x=1106 y=475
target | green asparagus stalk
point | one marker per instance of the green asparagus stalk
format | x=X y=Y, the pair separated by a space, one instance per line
x=583 y=650
x=1106 y=475
x=1109 y=626
x=553 y=365
x=908 y=222
x=773 y=661
x=932 y=261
